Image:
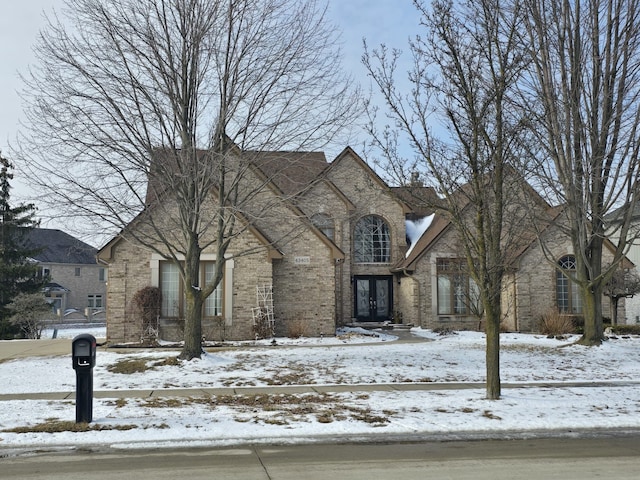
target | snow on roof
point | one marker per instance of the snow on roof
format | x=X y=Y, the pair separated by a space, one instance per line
x=415 y=230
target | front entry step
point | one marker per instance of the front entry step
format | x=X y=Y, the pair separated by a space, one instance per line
x=382 y=325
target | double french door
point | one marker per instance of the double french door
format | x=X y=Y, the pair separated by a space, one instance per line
x=373 y=298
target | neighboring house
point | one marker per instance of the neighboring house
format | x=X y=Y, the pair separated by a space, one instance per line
x=348 y=262
x=77 y=284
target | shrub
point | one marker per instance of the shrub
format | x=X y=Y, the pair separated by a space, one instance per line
x=626 y=329
x=554 y=323
x=146 y=304
x=296 y=328
x=444 y=331
x=263 y=326
x=30 y=313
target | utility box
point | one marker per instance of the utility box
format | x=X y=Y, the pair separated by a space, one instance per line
x=83 y=354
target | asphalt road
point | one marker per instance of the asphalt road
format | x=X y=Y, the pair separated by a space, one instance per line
x=560 y=458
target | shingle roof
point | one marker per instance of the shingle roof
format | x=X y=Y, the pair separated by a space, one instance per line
x=59 y=247
x=291 y=172
x=423 y=201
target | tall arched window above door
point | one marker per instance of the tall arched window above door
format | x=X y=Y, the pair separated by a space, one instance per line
x=567 y=294
x=371 y=241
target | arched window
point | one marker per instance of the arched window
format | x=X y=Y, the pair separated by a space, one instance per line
x=371 y=241
x=567 y=294
x=324 y=223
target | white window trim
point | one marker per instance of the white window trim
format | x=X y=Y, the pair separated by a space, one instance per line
x=227 y=279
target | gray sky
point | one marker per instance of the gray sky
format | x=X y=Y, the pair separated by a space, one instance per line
x=379 y=21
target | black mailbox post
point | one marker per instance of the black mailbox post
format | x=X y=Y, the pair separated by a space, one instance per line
x=83 y=352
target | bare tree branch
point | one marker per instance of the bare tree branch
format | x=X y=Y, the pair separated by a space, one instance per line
x=586 y=79
x=155 y=112
x=464 y=71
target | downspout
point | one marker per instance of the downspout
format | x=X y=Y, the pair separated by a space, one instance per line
x=124 y=313
x=339 y=307
x=515 y=303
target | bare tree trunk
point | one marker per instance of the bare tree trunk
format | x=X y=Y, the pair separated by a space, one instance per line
x=192 y=327
x=493 y=353
x=593 y=328
x=614 y=310
x=194 y=302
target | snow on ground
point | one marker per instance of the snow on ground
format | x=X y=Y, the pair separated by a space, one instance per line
x=351 y=358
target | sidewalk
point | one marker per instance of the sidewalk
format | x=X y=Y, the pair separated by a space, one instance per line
x=11 y=349
x=303 y=389
x=44 y=347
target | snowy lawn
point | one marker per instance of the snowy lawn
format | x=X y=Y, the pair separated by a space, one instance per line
x=352 y=358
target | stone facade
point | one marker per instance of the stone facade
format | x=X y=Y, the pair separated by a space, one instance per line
x=529 y=284
x=367 y=195
x=135 y=267
x=317 y=282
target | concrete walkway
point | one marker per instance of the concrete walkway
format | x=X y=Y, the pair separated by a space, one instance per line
x=12 y=349
x=301 y=389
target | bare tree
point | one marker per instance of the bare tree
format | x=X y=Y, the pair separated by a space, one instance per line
x=156 y=111
x=584 y=98
x=463 y=75
x=624 y=283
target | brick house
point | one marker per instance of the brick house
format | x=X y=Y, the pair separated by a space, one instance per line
x=435 y=291
x=346 y=263
x=77 y=282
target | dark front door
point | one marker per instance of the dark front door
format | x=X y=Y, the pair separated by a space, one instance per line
x=373 y=298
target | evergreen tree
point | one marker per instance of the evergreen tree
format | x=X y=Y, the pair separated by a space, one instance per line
x=17 y=273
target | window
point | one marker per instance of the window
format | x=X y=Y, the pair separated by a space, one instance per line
x=458 y=293
x=56 y=305
x=173 y=304
x=77 y=273
x=213 y=303
x=102 y=274
x=371 y=241
x=567 y=294
x=324 y=223
x=94 y=301
x=170 y=288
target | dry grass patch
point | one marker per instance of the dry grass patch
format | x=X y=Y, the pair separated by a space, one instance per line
x=281 y=409
x=128 y=366
x=118 y=402
x=58 y=426
x=488 y=414
x=366 y=415
x=166 y=402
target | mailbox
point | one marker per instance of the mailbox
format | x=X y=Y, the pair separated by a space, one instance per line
x=83 y=349
x=83 y=353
